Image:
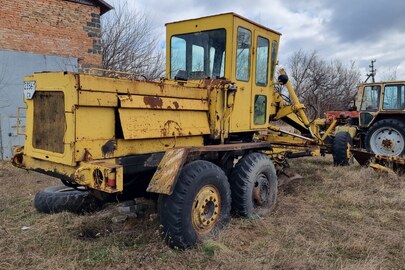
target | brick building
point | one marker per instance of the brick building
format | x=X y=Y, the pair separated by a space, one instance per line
x=42 y=35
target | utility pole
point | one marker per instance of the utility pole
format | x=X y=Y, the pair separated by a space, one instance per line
x=373 y=71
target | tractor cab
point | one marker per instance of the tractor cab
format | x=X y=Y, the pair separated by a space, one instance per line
x=380 y=100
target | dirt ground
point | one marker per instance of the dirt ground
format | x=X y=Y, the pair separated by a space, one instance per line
x=334 y=218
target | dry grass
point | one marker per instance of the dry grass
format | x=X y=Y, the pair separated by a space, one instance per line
x=335 y=218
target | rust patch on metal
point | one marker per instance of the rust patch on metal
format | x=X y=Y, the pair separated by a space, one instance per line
x=162 y=85
x=215 y=83
x=153 y=102
x=49 y=121
x=87 y=156
x=108 y=148
x=18 y=156
x=176 y=104
x=171 y=124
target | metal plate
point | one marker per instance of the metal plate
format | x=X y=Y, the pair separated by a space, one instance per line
x=29 y=89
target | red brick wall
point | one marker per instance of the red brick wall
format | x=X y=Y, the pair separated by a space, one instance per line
x=52 y=27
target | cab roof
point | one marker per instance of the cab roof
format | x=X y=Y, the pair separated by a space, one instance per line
x=226 y=14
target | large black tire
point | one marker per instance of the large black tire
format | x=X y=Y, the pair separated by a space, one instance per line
x=341 y=148
x=199 y=206
x=62 y=198
x=254 y=186
x=386 y=137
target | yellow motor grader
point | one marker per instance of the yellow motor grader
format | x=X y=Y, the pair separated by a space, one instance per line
x=201 y=139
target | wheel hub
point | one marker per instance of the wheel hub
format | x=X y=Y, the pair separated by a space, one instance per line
x=387 y=144
x=387 y=141
x=261 y=190
x=206 y=209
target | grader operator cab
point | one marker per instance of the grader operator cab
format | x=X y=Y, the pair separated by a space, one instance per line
x=178 y=138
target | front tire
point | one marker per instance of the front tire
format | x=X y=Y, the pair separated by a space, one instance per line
x=341 y=148
x=198 y=207
x=386 y=137
x=254 y=186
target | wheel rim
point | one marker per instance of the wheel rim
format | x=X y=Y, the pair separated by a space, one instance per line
x=261 y=191
x=387 y=141
x=206 y=209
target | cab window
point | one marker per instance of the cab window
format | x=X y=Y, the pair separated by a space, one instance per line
x=262 y=61
x=259 y=117
x=273 y=58
x=243 y=54
x=371 y=98
x=394 y=97
x=198 y=55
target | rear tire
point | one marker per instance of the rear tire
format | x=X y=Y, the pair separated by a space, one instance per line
x=62 y=198
x=386 y=137
x=341 y=149
x=198 y=207
x=254 y=186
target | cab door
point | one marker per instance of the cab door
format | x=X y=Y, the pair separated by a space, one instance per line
x=260 y=98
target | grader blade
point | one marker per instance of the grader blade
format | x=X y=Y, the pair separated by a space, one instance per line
x=380 y=162
x=362 y=157
x=287 y=176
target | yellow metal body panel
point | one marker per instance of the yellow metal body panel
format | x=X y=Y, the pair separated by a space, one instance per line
x=95 y=123
x=148 y=102
x=133 y=87
x=47 y=166
x=53 y=82
x=123 y=147
x=142 y=124
x=90 y=116
x=101 y=99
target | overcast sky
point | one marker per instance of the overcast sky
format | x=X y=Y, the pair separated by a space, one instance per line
x=359 y=30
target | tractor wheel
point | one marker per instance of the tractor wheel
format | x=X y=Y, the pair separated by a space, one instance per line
x=341 y=149
x=253 y=186
x=62 y=198
x=199 y=206
x=386 y=137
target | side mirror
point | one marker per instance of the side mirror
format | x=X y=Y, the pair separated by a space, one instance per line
x=283 y=79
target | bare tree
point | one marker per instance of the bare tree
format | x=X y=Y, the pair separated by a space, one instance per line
x=390 y=74
x=322 y=85
x=130 y=44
